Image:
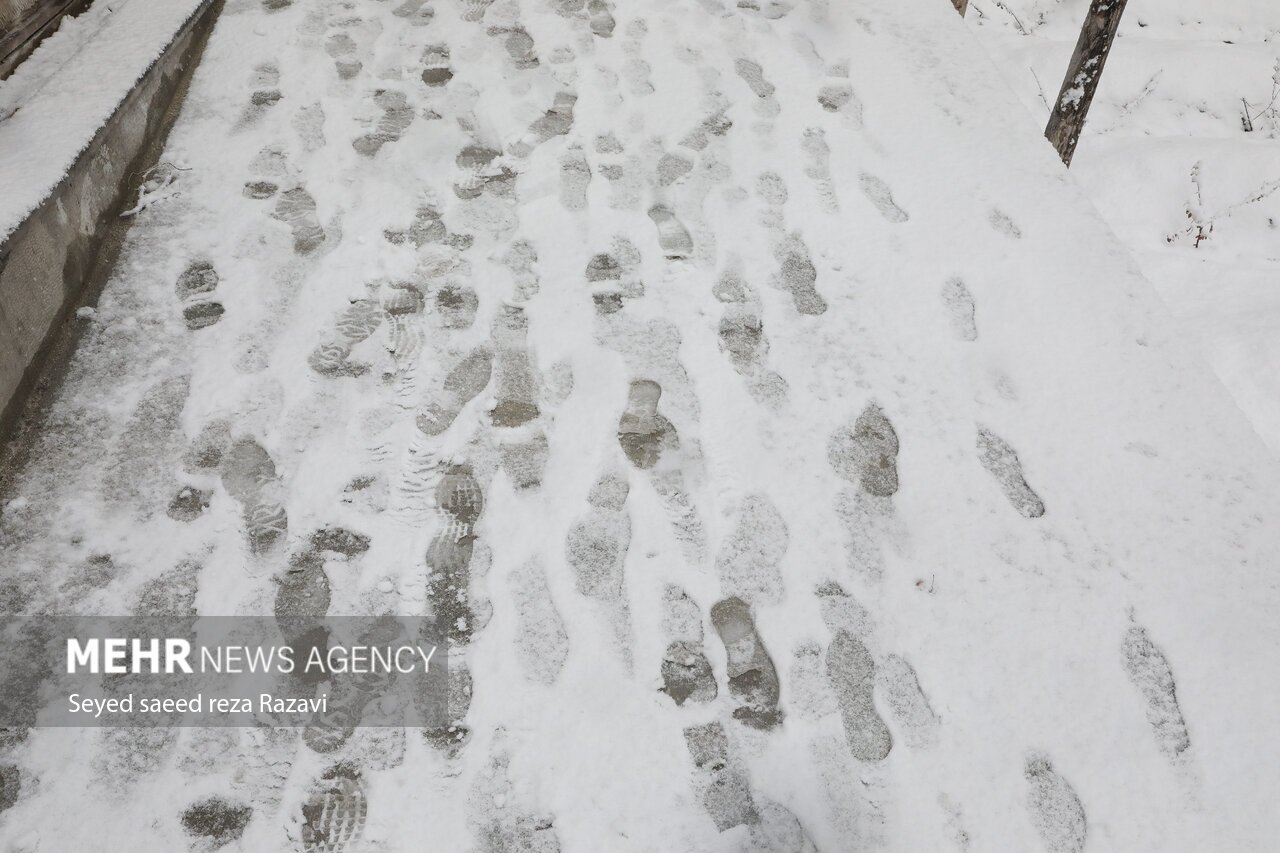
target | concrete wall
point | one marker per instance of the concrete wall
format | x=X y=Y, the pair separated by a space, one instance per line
x=47 y=263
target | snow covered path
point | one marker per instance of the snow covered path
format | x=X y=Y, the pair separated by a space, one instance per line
x=797 y=460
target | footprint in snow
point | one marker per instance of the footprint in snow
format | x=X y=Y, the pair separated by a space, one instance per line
x=1003 y=464
x=302 y=599
x=522 y=260
x=416 y=12
x=250 y=478
x=798 y=276
x=217 y=819
x=719 y=778
x=342 y=49
x=852 y=673
x=1001 y=222
x=428 y=228
x=600 y=18
x=543 y=643
x=452 y=734
x=463 y=383
x=522 y=442
x=867 y=453
x=332 y=356
x=810 y=692
x=1149 y=670
x=753 y=75
x=777 y=830
x=1054 y=808
x=436 y=70
x=515 y=384
x=153 y=434
x=482 y=173
x=743 y=341
x=624 y=174
x=473 y=10
x=308 y=123
x=519 y=45
x=878 y=192
x=596 y=549
x=960 y=310
x=753 y=681
x=673 y=237
x=898 y=684
x=686 y=672
x=498 y=816
x=818 y=169
x=575 y=178
x=396 y=117
x=611 y=282
x=769 y=9
x=643 y=433
x=749 y=561
x=459 y=503
x=297 y=209
x=556 y=121
x=333 y=817
x=265 y=83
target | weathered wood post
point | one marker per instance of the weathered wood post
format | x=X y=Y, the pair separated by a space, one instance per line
x=1069 y=111
x=962 y=6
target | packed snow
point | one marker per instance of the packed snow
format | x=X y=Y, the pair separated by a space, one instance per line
x=795 y=458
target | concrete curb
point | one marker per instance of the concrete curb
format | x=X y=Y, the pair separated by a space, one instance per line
x=54 y=259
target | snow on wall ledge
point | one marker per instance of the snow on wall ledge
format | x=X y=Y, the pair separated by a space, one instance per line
x=68 y=152
x=44 y=138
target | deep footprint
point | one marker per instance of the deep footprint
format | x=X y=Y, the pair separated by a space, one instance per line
x=753 y=681
x=333 y=818
x=643 y=433
x=436 y=70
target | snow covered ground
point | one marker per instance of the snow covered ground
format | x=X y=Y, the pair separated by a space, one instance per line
x=1167 y=160
x=797 y=459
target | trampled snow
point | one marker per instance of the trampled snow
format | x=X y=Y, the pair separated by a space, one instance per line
x=797 y=459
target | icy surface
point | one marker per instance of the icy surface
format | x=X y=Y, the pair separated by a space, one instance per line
x=795 y=458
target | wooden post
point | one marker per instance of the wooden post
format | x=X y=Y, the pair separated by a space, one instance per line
x=961 y=6
x=1069 y=111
